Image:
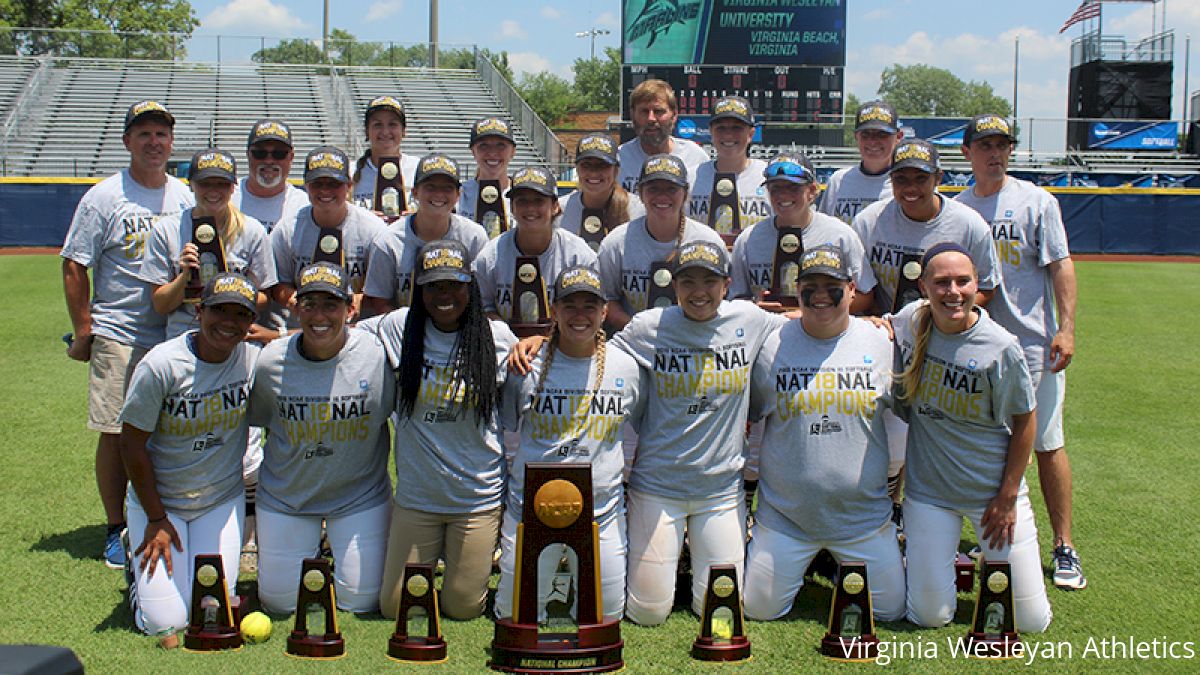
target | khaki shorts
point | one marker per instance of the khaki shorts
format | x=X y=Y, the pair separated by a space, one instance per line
x=109 y=371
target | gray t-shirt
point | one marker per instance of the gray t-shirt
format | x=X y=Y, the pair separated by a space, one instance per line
x=632 y=157
x=824 y=466
x=195 y=412
x=295 y=240
x=850 y=190
x=495 y=267
x=1028 y=230
x=327 y=440
x=268 y=211
x=394 y=253
x=627 y=253
x=363 y=193
x=469 y=198
x=553 y=427
x=691 y=445
x=972 y=383
x=108 y=234
x=752 y=194
x=571 y=219
x=888 y=235
x=248 y=254
x=446 y=462
x=753 y=256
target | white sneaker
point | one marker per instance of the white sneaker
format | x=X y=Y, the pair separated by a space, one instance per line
x=1068 y=573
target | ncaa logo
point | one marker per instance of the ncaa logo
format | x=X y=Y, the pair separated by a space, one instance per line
x=1008 y=213
x=740 y=332
x=686 y=128
x=972 y=363
x=620 y=382
x=868 y=359
x=364 y=385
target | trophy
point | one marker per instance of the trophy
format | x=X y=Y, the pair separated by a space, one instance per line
x=418 y=597
x=557 y=510
x=906 y=284
x=314 y=598
x=389 y=189
x=212 y=256
x=211 y=625
x=964 y=573
x=489 y=209
x=851 y=635
x=993 y=631
x=329 y=247
x=722 y=631
x=593 y=229
x=724 y=212
x=785 y=269
x=530 y=312
x=660 y=293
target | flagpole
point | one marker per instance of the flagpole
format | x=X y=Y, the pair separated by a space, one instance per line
x=1016 y=73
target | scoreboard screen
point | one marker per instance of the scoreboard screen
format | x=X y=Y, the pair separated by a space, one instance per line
x=777 y=93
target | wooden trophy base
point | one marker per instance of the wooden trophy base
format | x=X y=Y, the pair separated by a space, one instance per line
x=964 y=573
x=728 y=239
x=736 y=648
x=785 y=300
x=982 y=646
x=417 y=648
x=316 y=646
x=524 y=330
x=858 y=649
x=518 y=648
x=212 y=640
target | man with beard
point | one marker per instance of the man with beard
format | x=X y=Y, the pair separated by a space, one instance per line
x=652 y=108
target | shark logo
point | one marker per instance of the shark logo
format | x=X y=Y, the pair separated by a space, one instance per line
x=658 y=16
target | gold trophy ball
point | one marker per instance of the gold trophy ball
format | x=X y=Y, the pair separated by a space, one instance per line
x=790 y=243
x=417 y=586
x=662 y=278
x=912 y=270
x=205 y=233
x=314 y=580
x=592 y=224
x=723 y=587
x=997 y=582
x=389 y=170
x=329 y=243
x=558 y=503
x=490 y=194
x=206 y=575
x=527 y=273
x=853 y=583
x=724 y=187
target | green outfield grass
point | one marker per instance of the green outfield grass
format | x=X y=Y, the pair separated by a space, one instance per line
x=1132 y=413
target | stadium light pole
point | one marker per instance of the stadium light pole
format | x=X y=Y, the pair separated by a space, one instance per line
x=1016 y=73
x=325 y=34
x=433 y=34
x=592 y=33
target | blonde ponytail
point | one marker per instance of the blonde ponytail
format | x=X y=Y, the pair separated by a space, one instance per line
x=910 y=377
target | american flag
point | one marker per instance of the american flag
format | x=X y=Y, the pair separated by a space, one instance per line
x=1088 y=9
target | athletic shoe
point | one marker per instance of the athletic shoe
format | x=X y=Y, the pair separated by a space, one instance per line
x=114 y=551
x=975 y=553
x=1068 y=574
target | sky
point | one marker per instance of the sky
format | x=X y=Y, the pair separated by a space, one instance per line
x=974 y=40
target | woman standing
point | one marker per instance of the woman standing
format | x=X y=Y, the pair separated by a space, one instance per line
x=386 y=124
x=493 y=147
x=732 y=174
x=599 y=204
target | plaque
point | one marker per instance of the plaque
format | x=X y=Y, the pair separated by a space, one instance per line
x=964 y=573
x=389 y=189
x=329 y=247
x=418 y=596
x=557 y=510
x=906 y=281
x=592 y=228
x=722 y=628
x=489 y=209
x=211 y=624
x=315 y=598
x=851 y=633
x=659 y=292
x=724 y=212
x=785 y=268
x=207 y=239
x=993 y=631
x=530 y=312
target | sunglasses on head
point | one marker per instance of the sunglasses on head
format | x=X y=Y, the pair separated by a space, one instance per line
x=789 y=169
x=259 y=153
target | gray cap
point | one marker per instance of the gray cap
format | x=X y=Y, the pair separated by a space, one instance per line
x=324 y=277
x=704 y=255
x=578 y=279
x=213 y=163
x=230 y=288
x=443 y=260
x=327 y=162
x=825 y=259
x=664 y=167
x=915 y=154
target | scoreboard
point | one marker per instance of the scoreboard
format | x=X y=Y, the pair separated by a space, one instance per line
x=777 y=93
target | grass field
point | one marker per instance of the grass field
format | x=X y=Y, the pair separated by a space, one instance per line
x=1131 y=422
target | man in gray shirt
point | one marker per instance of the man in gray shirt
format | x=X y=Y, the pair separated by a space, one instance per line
x=653 y=108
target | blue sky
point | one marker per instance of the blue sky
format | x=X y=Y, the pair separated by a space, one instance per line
x=972 y=39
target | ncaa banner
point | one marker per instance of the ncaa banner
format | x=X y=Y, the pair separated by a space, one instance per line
x=1133 y=135
x=943 y=133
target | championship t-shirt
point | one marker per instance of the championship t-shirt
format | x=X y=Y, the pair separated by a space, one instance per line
x=850 y=190
x=632 y=157
x=268 y=211
x=496 y=269
x=627 y=253
x=294 y=241
x=469 y=199
x=754 y=206
x=571 y=219
x=753 y=258
x=393 y=255
x=363 y=193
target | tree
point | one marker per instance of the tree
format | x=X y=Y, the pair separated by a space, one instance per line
x=550 y=96
x=925 y=90
x=290 y=51
x=145 y=29
x=598 y=81
x=850 y=106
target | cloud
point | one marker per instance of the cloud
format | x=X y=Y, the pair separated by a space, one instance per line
x=512 y=29
x=254 y=15
x=381 y=9
x=877 y=14
x=550 y=12
x=533 y=63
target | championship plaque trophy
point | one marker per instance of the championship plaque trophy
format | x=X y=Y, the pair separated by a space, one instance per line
x=851 y=635
x=212 y=256
x=993 y=631
x=724 y=212
x=785 y=268
x=964 y=573
x=389 y=189
x=906 y=283
x=316 y=597
x=489 y=209
x=418 y=596
x=329 y=247
x=722 y=629
x=211 y=625
x=530 y=313
x=593 y=229
x=659 y=293
x=557 y=510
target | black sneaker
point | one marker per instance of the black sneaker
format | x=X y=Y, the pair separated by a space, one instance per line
x=1068 y=573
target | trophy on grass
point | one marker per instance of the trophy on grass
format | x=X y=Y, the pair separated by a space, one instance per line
x=785 y=268
x=964 y=573
x=211 y=624
x=530 y=312
x=212 y=256
x=389 y=189
x=906 y=282
x=659 y=292
x=489 y=209
x=724 y=212
x=592 y=227
x=314 y=599
x=329 y=247
x=993 y=631
x=722 y=628
x=558 y=510
x=851 y=635
x=418 y=602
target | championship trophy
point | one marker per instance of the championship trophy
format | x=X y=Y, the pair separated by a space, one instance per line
x=906 y=283
x=660 y=293
x=212 y=256
x=530 y=312
x=785 y=269
x=316 y=596
x=489 y=209
x=211 y=625
x=418 y=597
x=993 y=631
x=557 y=510
x=724 y=212
x=851 y=635
x=329 y=247
x=389 y=189
x=593 y=229
x=722 y=630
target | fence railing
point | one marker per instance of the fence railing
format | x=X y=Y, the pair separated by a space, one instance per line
x=539 y=134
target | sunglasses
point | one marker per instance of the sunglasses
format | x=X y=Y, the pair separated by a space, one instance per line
x=789 y=169
x=259 y=153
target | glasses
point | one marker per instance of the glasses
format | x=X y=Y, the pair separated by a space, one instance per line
x=259 y=153
x=789 y=169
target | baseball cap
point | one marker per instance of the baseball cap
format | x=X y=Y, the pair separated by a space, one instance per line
x=230 y=288
x=599 y=147
x=437 y=165
x=793 y=168
x=327 y=162
x=443 y=260
x=491 y=126
x=982 y=126
x=535 y=178
x=578 y=279
x=825 y=259
x=916 y=154
x=875 y=115
x=704 y=255
x=324 y=277
x=147 y=108
x=384 y=103
x=734 y=108
x=664 y=167
x=213 y=163
x=270 y=130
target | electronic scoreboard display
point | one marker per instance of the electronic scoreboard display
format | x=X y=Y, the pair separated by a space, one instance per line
x=777 y=93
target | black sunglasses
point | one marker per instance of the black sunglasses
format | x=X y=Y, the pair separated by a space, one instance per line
x=259 y=153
